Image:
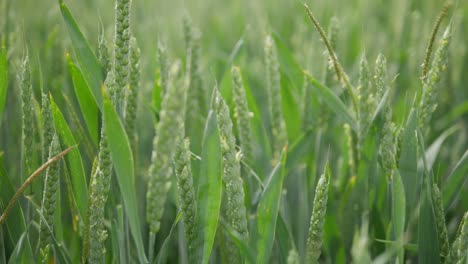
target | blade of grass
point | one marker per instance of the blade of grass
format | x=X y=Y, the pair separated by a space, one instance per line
x=122 y=159
x=3 y=79
x=428 y=237
x=288 y=64
x=398 y=213
x=87 y=104
x=20 y=254
x=267 y=212
x=209 y=190
x=87 y=60
x=74 y=162
x=428 y=244
x=162 y=255
x=333 y=102
x=408 y=163
x=16 y=224
x=455 y=181
x=290 y=108
x=241 y=244
x=433 y=150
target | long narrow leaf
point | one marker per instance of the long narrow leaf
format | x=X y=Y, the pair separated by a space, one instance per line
x=85 y=98
x=3 y=79
x=333 y=102
x=267 y=212
x=73 y=159
x=455 y=181
x=408 y=164
x=398 y=213
x=122 y=159
x=209 y=190
x=87 y=60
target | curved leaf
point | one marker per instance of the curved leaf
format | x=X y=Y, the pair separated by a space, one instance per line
x=333 y=102
x=73 y=159
x=88 y=106
x=267 y=212
x=87 y=60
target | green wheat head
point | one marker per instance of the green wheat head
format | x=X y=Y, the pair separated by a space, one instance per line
x=242 y=114
x=431 y=83
x=132 y=91
x=314 y=240
x=49 y=197
x=169 y=133
x=27 y=109
x=278 y=126
x=235 y=210
x=187 y=196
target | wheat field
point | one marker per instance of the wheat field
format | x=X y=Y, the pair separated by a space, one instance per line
x=209 y=131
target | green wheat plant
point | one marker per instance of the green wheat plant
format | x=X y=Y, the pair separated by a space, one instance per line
x=240 y=132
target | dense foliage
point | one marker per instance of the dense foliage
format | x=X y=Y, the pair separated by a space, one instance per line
x=233 y=131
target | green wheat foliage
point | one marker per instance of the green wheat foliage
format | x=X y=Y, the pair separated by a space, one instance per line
x=49 y=198
x=27 y=110
x=169 y=133
x=242 y=115
x=187 y=196
x=278 y=125
x=235 y=210
x=132 y=92
x=440 y=221
x=315 y=237
x=431 y=83
x=121 y=48
x=224 y=144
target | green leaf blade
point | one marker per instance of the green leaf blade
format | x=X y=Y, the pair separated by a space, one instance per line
x=3 y=79
x=267 y=212
x=73 y=159
x=333 y=102
x=86 y=101
x=87 y=60
x=209 y=190
x=122 y=159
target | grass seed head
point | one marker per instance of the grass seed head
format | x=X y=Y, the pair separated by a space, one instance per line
x=315 y=239
x=242 y=114
x=49 y=197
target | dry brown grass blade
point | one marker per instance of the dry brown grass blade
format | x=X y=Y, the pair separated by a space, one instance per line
x=30 y=179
